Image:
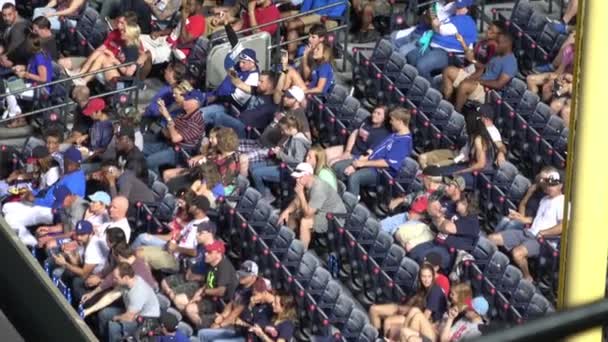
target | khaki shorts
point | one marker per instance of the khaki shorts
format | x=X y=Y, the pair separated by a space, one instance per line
x=158 y=258
x=309 y=20
x=441 y=157
x=413 y=233
x=380 y=7
x=479 y=94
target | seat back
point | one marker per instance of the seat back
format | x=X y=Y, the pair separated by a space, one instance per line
x=280 y=245
x=406 y=77
x=442 y=113
x=166 y=208
x=92 y=27
x=380 y=247
x=330 y=295
x=483 y=252
x=260 y=215
x=540 y=116
x=356 y=220
x=505 y=174
x=248 y=201
x=197 y=60
x=318 y=282
x=522 y=295
x=350 y=201
x=496 y=267
x=308 y=265
x=354 y=325
x=521 y=13
x=527 y=104
x=455 y=126
x=339 y=315
x=561 y=144
x=294 y=255
x=360 y=116
x=348 y=109
x=536 y=24
x=382 y=52
x=368 y=334
x=514 y=91
x=549 y=38
x=407 y=275
x=518 y=188
x=539 y=306
x=553 y=129
x=159 y=189
x=430 y=102
x=418 y=90
x=509 y=281
x=391 y=263
x=407 y=173
x=336 y=96
x=394 y=65
x=369 y=233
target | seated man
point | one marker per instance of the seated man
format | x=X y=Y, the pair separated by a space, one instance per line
x=139 y=299
x=13 y=50
x=36 y=209
x=498 y=73
x=314 y=199
x=161 y=45
x=389 y=154
x=183 y=246
x=366 y=11
x=259 y=12
x=220 y=283
x=99 y=135
x=118 y=219
x=125 y=183
x=523 y=244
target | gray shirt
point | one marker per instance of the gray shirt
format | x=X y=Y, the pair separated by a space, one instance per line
x=324 y=199
x=132 y=188
x=73 y=214
x=141 y=299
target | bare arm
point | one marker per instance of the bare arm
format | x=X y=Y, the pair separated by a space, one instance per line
x=105 y=301
x=350 y=143
x=72 y=8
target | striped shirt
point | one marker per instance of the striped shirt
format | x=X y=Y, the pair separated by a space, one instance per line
x=191 y=128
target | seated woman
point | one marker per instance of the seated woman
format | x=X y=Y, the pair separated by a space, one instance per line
x=430 y=302
x=129 y=52
x=371 y=133
x=39 y=69
x=317 y=159
x=317 y=80
x=476 y=58
x=291 y=150
x=479 y=153
x=389 y=154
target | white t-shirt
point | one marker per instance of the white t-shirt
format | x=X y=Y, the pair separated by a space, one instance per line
x=50 y=177
x=550 y=213
x=242 y=97
x=99 y=222
x=494 y=134
x=187 y=236
x=122 y=224
x=95 y=253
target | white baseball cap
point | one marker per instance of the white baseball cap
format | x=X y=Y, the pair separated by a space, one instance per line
x=296 y=92
x=303 y=169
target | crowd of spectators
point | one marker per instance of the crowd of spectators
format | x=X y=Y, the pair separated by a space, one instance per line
x=77 y=204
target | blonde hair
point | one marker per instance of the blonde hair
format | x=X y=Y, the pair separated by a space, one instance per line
x=462 y=292
x=131 y=36
x=184 y=87
x=328 y=53
x=401 y=114
x=320 y=157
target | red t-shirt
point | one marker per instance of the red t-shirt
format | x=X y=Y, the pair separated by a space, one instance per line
x=443 y=282
x=195 y=26
x=264 y=15
x=114 y=42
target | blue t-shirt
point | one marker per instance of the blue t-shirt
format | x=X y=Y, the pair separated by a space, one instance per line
x=178 y=337
x=75 y=181
x=325 y=71
x=218 y=190
x=394 y=149
x=101 y=133
x=166 y=94
x=498 y=65
x=436 y=302
x=41 y=59
x=466 y=28
x=332 y=12
x=198 y=265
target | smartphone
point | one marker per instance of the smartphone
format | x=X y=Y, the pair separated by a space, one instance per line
x=232 y=73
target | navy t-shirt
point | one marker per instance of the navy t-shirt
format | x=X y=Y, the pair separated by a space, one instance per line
x=128 y=53
x=198 y=263
x=467 y=232
x=368 y=137
x=260 y=113
x=325 y=71
x=101 y=133
x=436 y=302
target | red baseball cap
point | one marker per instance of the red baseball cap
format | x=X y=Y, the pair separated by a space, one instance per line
x=94 y=105
x=216 y=246
x=420 y=204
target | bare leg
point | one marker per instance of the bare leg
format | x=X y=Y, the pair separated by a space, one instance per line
x=192 y=313
x=496 y=239
x=449 y=75
x=465 y=89
x=570 y=11
x=333 y=154
x=520 y=255
x=244 y=165
x=379 y=311
x=306 y=230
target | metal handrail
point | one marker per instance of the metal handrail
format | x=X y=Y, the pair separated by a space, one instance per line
x=63 y=80
x=68 y=103
x=281 y=20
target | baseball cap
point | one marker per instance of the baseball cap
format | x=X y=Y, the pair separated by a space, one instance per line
x=60 y=193
x=248 y=55
x=195 y=94
x=216 y=246
x=40 y=152
x=125 y=131
x=206 y=226
x=296 y=93
x=94 y=105
x=169 y=321
x=487 y=111
x=464 y=3
x=303 y=169
x=73 y=154
x=552 y=178
x=419 y=205
x=479 y=305
x=101 y=196
x=431 y=171
x=201 y=202
x=83 y=227
x=434 y=259
x=457 y=181
x=248 y=268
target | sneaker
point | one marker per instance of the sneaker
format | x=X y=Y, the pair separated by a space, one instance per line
x=544 y=68
x=560 y=27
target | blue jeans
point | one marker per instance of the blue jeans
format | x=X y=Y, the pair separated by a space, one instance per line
x=265 y=174
x=215 y=115
x=405 y=44
x=104 y=317
x=391 y=223
x=433 y=59
x=362 y=177
x=159 y=153
x=146 y=239
x=219 y=335
x=508 y=224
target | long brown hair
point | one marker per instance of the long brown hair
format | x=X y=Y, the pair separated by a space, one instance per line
x=289 y=308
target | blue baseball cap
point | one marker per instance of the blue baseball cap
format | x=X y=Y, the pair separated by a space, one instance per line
x=73 y=154
x=83 y=227
x=195 y=94
x=101 y=196
x=60 y=193
x=248 y=55
x=479 y=305
x=464 y=3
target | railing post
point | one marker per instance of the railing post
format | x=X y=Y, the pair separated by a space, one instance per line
x=345 y=50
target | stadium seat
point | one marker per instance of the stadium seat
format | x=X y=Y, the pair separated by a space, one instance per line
x=509 y=281
x=430 y=103
x=539 y=118
x=513 y=92
x=281 y=244
x=488 y=291
x=505 y=174
x=248 y=202
x=553 y=129
x=350 y=201
x=368 y=334
x=197 y=61
x=368 y=267
x=310 y=262
x=496 y=267
x=522 y=295
x=330 y=295
x=527 y=105
x=536 y=25
x=405 y=79
x=382 y=53
x=185 y=328
x=341 y=311
x=318 y=283
x=418 y=90
x=405 y=281
x=483 y=252
x=354 y=325
x=442 y=114
x=538 y=307
x=395 y=64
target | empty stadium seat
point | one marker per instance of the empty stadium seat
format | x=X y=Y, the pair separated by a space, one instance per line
x=483 y=252
x=496 y=267
x=418 y=90
x=509 y=280
x=310 y=262
x=522 y=295
x=538 y=307
x=354 y=325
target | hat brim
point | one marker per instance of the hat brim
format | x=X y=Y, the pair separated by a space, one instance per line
x=297 y=174
x=242 y=274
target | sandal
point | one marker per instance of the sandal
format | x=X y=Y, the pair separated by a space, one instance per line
x=16 y=123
